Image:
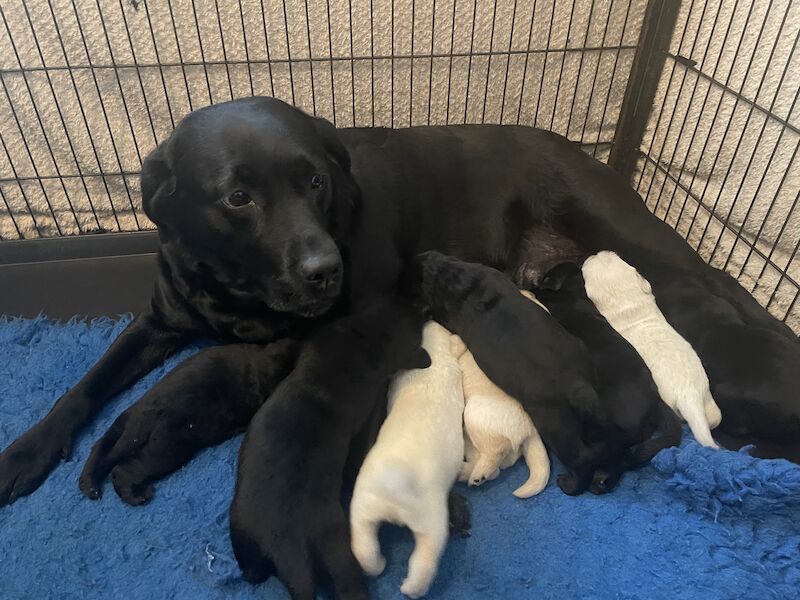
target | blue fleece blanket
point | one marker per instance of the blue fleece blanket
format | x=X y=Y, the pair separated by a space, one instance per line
x=694 y=524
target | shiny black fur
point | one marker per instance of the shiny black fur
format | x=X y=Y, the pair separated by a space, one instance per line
x=525 y=351
x=365 y=197
x=624 y=383
x=287 y=518
x=748 y=366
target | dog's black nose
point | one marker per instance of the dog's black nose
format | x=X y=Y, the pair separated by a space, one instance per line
x=322 y=271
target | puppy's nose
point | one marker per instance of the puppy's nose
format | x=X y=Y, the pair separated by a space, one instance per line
x=322 y=271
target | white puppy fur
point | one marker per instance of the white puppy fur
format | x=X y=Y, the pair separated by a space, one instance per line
x=408 y=473
x=497 y=430
x=626 y=300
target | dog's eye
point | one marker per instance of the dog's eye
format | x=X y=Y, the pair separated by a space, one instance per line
x=238 y=199
x=317 y=182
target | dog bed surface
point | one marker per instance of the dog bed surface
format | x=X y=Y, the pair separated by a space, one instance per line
x=694 y=524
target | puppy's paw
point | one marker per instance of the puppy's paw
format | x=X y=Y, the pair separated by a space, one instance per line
x=130 y=490
x=374 y=566
x=90 y=487
x=412 y=589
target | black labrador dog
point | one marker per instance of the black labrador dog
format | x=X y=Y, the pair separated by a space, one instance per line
x=526 y=352
x=286 y=517
x=271 y=221
x=748 y=366
x=624 y=382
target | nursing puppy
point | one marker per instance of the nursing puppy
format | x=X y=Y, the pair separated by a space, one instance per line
x=407 y=475
x=626 y=300
x=624 y=382
x=286 y=517
x=526 y=353
x=753 y=370
x=497 y=430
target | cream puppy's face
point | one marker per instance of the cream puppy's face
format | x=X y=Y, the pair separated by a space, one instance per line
x=607 y=276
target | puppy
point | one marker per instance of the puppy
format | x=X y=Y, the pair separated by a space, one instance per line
x=407 y=475
x=497 y=430
x=286 y=517
x=526 y=353
x=753 y=369
x=626 y=300
x=625 y=384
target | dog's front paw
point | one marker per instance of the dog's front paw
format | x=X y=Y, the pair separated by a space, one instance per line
x=568 y=484
x=130 y=487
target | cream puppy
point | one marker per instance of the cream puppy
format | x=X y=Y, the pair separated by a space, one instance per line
x=408 y=473
x=497 y=430
x=626 y=300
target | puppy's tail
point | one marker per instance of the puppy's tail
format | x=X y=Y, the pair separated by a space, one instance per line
x=538 y=464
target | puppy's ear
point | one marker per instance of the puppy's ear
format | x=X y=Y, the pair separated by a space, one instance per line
x=158 y=185
x=420 y=359
x=558 y=276
x=346 y=193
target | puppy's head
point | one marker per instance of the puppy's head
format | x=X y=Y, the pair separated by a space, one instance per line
x=607 y=276
x=566 y=277
x=260 y=194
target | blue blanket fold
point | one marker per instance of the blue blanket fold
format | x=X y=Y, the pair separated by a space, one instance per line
x=694 y=524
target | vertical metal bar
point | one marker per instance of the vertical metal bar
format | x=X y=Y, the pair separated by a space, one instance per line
x=508 y=61
x=411 y=67
x=60 y=116
x=330 y=56
x=544 y=66
x=85 y=119
x=266 y=47
x=310 y=61
x=224 y=51
x=391 y=67
x=372 y=59
x=352 y=59
x=11 y=212
x=563 y=60
x=178 y=46
x=525 y=67
x=597 y=71
x=246 y=50
x=450 y=72
x=610 y=83
x=702 y=108
x=22 y=189
x=202 y=52
x=104 y=110
x=580 y=70
x=158 y=60
x=430 y=73
x=289 y=52
x=648 y=62
x=489 y=64
x=469 y=67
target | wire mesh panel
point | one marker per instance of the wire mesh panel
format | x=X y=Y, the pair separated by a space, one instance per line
x=721 y=158
x=89 y=87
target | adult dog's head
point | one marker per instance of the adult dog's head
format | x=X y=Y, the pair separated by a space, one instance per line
x=259 y=195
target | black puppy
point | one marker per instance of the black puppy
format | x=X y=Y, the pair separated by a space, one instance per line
x=527 y=353
x=752 y=370
x=623 y=380
x=156 y=435
x=287 y=517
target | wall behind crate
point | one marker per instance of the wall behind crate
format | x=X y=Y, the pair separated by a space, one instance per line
x=90 y=87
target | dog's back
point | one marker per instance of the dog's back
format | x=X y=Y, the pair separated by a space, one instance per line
x=408 y=473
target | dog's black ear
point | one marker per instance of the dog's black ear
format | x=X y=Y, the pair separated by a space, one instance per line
x=158 y=185
x=346 y=193
x=558 y=276
x=420 y=359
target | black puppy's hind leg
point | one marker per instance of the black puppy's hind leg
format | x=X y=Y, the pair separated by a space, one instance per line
x=335 y=560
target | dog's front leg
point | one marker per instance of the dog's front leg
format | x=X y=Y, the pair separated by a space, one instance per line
x=202 y=402
x=27 y=462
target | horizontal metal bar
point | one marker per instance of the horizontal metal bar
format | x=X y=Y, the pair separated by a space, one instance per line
x=739 y=236
x=690 y=67
x=313 y=59
x=77 y=247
